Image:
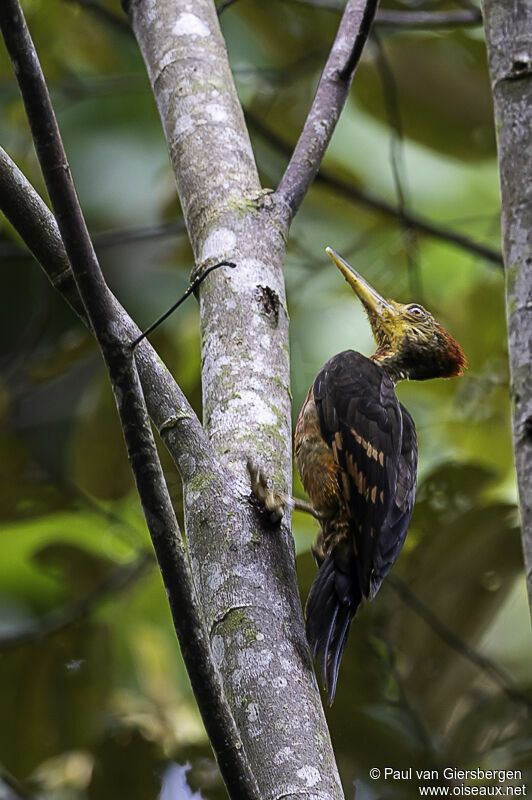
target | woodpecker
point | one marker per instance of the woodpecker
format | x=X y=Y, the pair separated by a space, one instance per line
x=356 y=454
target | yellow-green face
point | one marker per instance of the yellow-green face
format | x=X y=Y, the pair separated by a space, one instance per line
x=401 y=322
x=404 y=329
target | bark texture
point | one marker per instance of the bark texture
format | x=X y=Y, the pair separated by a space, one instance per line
x=328 y=102
x=244 y=567
x=172 y=557
x=509 y=40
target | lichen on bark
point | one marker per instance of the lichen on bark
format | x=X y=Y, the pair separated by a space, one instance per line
x=244 y=567
x=508 y=29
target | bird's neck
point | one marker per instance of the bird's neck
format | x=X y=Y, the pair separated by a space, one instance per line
x=391 y=364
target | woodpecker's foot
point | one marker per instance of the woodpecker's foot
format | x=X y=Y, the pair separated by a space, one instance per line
x=308 y=508
x=274 y=502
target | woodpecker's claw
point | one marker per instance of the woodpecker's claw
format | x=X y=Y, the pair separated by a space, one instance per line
x=273 y=501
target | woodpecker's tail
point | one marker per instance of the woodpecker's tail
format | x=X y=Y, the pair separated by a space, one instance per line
x=332 y=603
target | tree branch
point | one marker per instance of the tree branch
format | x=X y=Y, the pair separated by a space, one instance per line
x=168 y=407
x=459 y=18
x=258 y=568
x=328 y=103
x=37 y=226
x=101 y=240
x=360 y=196
x=116 y=350
x=223 y=5
x=509 y=44
x=385 y=17
x=245 y=570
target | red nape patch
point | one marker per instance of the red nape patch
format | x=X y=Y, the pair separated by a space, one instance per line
x=451 y=357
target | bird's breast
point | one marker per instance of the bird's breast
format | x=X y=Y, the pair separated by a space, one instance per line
x=315 y=461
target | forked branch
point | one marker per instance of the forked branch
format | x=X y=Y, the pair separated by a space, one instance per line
x=118 y=355
x=330 y=98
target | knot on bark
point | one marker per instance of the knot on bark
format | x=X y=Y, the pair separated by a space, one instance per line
x=527 y=429
x=521 y=67
x=263 y=199
x=268 y=303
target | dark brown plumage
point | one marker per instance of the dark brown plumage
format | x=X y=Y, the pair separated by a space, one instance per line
x=356 y=453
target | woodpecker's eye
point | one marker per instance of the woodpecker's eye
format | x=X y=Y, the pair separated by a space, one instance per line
x=417 y=311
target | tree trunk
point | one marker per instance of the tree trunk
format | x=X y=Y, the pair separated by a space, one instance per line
x=244 y=567
x=509 y=41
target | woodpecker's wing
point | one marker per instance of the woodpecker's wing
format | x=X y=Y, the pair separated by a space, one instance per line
x=361 y=420
x=394 y=532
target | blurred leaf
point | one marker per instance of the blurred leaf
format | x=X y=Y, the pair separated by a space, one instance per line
x=25 y=490
x=53 y=693
x=450 y=490
x=203 y=775
x=450 y=109
x=277 y=33
x=175 y=784
x=491 y=723
x=77 y=569
x=99 y=458
x=466 y=556
x=73 y=346
x=126 y=765
x=85 y=536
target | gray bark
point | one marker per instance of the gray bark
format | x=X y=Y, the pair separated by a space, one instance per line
x=218 y=501
x=117 y=352
x=328 y=103
x=245 y=569
x=509 y=41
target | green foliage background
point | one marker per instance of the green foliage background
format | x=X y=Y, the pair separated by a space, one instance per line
x=95 y=704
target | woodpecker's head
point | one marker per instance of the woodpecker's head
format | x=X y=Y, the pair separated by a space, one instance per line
x=410 y=342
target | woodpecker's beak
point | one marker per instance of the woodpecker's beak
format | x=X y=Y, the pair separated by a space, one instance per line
x=374 y=303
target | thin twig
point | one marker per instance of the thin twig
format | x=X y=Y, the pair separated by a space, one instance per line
x=328 y=103
x=462 y=18
x=34 y=222
x=393 y=111
x=138 y=233
x=192 y=288
x=424 y=735
x=157 y=506
x=495 y=673
x=361 y=197
x=419 y=18
x=101 y=240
